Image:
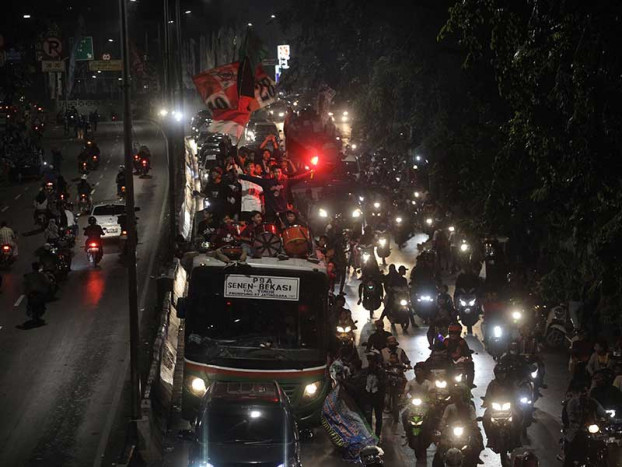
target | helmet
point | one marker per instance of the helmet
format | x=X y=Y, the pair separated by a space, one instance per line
x=92 y=220
x=47 y=246
x=454 y=328
x=121 y=167
x=500 y=369
x=514 y=348
x=83 y=177
x=454 y=457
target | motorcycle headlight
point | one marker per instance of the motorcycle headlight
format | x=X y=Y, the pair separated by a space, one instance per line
x=463 y=302
x=440 y=384
x=525 y=401
x=429 y=221
x=340 y=329
x=534 y=374
x=464 y=247
x=347 y=329
x=497 y=331
x=516 y=315
x=403 y=302
x=311 y=389
x=611 y=413
x=417 y=402
x=197 y=386
x=356 y=213
x=322 y=213
x=398 y=220
x=501 y=406
x=365 y=257
x=382 y=242
x=472 y=302
x=593 y=429
x=458 y=378
x=458 y=431
x=426 y=298
x=377 y=205
x=451 y=228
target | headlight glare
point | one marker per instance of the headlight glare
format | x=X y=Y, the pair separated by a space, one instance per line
x=198 y=387
x=311 y=389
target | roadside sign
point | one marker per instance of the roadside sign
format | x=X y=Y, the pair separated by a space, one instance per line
x=282 y=52
x=85 y=49
x=105 y=65
x=52 y=47
x=57 y=66
x=105 y=56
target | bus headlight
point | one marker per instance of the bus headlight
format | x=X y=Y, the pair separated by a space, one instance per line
x=311 y=390
x=198 y=387
x=458 y=431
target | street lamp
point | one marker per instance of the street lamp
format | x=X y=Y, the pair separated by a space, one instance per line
x=26 y=16
x=110 y=40
x=188 y=12
x=250 y=25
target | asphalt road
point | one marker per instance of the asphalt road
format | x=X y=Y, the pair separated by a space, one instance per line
x=60 y=383
x=543 y=435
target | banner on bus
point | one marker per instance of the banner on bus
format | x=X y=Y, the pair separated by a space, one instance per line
x=262 y=287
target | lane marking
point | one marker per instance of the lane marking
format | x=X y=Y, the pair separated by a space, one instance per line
x=4 y=209
x=101 y=176
x=93 y=191
x=96 y=183
x=18 y=196
x=19 y=300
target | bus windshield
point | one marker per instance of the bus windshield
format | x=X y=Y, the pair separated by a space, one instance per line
x=287 y=322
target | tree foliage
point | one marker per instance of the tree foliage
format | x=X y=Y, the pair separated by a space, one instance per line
x=518 y=105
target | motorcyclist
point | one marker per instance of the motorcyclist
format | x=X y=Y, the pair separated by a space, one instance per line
x=515 y=362
x=420 y=385
x=457 y=349
x=580 y=412
x=460 y=412
x=84 y=188
x=604 y=392
x=393 y=348
x=145 y=153
x=94 y=232
x=36 y=288
x=439 y=357
x=47 y=260
x=378 y=339
x=8 y=237
x=530 y=347
x=51 y=233
x=120 y=180
x=371 y=385
x=444 y=316
x=502 y=389
x=82 y=158
x=466 y=280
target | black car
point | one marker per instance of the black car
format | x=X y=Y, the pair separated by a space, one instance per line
x=245 y=423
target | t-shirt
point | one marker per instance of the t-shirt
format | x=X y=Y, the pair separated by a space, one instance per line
x=251 y=196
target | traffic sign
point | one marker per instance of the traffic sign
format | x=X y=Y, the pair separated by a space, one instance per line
x=105 y=65
x=52 y=47
x=85 y=49
x=53 y=66
x=106 y=57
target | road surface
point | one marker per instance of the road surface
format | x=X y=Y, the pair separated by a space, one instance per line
x=544 y=434
x=60 y=383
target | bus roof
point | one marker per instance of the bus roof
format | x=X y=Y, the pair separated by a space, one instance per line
x=291 y=264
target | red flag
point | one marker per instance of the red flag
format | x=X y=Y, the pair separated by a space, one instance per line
x=265 y=89
x=218 y=87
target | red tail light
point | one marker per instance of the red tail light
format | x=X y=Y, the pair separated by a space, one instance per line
x=135 y=157
x=83 y=196
x=144 y=162
x=6 y=248
x=94 y=158
x=315 y=160
x=93 y=245
x=124 y=232
x=123 y=189
x=62 y=196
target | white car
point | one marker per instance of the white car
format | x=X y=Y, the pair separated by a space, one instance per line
x=106 y=213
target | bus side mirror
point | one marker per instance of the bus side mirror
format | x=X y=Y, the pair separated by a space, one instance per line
x=181 y=307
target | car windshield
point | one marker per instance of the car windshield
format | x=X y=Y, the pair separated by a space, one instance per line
x=279 y=322
x=231 y=423
x=109 y=210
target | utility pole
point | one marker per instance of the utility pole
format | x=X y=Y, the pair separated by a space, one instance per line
x=131 y=218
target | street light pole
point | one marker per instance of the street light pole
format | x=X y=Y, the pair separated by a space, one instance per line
x=130 y=218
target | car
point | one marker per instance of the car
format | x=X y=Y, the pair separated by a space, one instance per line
x=245 y=423
x=106 y=213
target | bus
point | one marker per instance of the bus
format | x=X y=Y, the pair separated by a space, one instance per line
x=262 y=320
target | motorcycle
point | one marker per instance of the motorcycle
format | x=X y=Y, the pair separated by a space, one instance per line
x=83 y=167
x=94 y=251
x=595 y=451
x=396 y=382
x=345 y=340
x=383 y=249
x=371 y=456
x=401 y=231
x=559 y=328
x=6 y=256
x=502 y=426
x=63 y=263
x=122 y=191
x=94 y=161
x=145 y=166
x=496 y=341
x=369 y=265
x=468 y=308
x=458 y=437
x=371 y=297
x=424 y=300
x=84 y=203
x=415 y=421
x=50 y=188
x=41 y=218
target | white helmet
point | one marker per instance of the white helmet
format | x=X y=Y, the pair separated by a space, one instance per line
x=83 y=177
